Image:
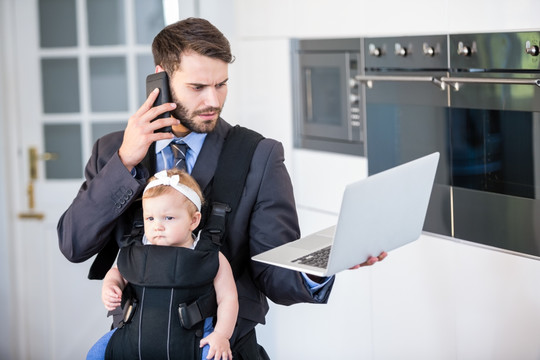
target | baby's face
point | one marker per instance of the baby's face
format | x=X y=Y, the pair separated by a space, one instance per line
x=167 y=220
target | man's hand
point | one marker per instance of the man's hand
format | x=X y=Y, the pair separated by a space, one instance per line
x=139 y=133
x=372 y=260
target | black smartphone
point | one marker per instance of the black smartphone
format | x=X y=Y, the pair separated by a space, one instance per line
x=160 y=80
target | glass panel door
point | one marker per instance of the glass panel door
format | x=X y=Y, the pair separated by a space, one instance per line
x=80 y=73
x=93 y=66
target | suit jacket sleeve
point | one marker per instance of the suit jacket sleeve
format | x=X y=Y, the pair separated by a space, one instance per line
x=274 y=221
x=94 y=216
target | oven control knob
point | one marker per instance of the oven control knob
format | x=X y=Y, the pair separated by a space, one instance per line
x=374 y=51
x=354 y=99
x=531 y=49
x=400 y=50
x=353 y=84
x=463 y=49
x=428 y=49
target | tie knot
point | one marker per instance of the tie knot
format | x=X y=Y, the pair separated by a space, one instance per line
x=179 y=144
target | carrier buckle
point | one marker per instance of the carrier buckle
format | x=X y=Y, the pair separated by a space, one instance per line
x=129 y=307
x=216 y=224
x=190 y=315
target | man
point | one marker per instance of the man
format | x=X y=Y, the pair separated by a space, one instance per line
x=195 y=55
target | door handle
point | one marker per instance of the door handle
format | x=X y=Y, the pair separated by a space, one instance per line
x=33 y=158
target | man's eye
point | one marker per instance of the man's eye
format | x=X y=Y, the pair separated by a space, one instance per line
x=198 y=87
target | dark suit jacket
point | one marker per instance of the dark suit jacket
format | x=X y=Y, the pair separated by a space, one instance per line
x=266 y=217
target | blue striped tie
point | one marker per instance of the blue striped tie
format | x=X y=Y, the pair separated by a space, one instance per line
x=179 y=150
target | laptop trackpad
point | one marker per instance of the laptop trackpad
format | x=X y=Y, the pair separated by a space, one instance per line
x=316 y=240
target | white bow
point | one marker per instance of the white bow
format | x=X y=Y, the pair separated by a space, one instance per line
x=167 y=180
x=174 y=181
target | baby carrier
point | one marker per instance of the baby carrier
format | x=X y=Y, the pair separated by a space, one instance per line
x=163 y=283
x=170 y=290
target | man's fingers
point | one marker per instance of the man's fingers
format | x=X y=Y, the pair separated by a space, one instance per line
x=158 y=110
x=148 y=103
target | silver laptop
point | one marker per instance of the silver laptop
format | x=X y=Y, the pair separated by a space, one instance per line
x=379 y=213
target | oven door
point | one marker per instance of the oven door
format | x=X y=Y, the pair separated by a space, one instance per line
x=495 y=152
x=329 y=101
x=407 y=117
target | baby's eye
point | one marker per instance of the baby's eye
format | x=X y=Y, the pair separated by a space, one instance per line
x=150 y=218
x=169 y=217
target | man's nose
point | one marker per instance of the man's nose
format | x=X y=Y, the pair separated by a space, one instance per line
x=212 y=97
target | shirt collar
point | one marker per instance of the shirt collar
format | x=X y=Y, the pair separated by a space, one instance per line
x=194 y=140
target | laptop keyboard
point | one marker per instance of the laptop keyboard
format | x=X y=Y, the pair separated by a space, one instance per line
x=317 y=258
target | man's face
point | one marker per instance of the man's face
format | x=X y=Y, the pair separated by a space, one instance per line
x=199 y=89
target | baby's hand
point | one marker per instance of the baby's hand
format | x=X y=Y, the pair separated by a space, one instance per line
x=219 y=346
x=111 y=297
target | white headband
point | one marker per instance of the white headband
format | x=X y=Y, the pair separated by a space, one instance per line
x=173 y=181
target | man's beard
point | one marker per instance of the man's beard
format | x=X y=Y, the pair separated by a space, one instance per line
x=188 y=120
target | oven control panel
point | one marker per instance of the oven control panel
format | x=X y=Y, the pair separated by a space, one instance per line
x=355 y=97
x=495 y=51
x=407 y=52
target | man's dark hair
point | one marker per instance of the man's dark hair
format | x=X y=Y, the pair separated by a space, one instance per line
x=192 y=34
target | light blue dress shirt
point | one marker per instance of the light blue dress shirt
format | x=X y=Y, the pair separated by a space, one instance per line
x=164 y=157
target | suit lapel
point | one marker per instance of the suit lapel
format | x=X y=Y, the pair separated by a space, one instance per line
x=207 y=161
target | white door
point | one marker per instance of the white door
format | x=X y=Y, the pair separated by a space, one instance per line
x=75 y=71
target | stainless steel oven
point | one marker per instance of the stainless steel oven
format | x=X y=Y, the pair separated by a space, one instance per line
x=479 y=105
x=326 y=97
x=495 y=138
x=407 y=111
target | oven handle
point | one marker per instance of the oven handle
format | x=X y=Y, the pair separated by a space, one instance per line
x=455 y=82
x=370 y=79
x=309 y=96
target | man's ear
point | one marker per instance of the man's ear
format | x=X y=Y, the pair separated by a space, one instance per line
x=159 y=68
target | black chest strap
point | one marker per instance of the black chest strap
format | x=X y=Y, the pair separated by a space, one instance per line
x=228 y=186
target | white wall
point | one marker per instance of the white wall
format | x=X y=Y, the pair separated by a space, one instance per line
x=8 y=326
x=434 y=299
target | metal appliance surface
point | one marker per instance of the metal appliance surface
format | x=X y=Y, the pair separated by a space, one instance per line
x=479 y=105
x=326 y=97
x=407 y=111
x=495 y=138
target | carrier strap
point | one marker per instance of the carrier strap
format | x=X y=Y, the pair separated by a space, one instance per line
x=228 y=186
x=237 y=154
